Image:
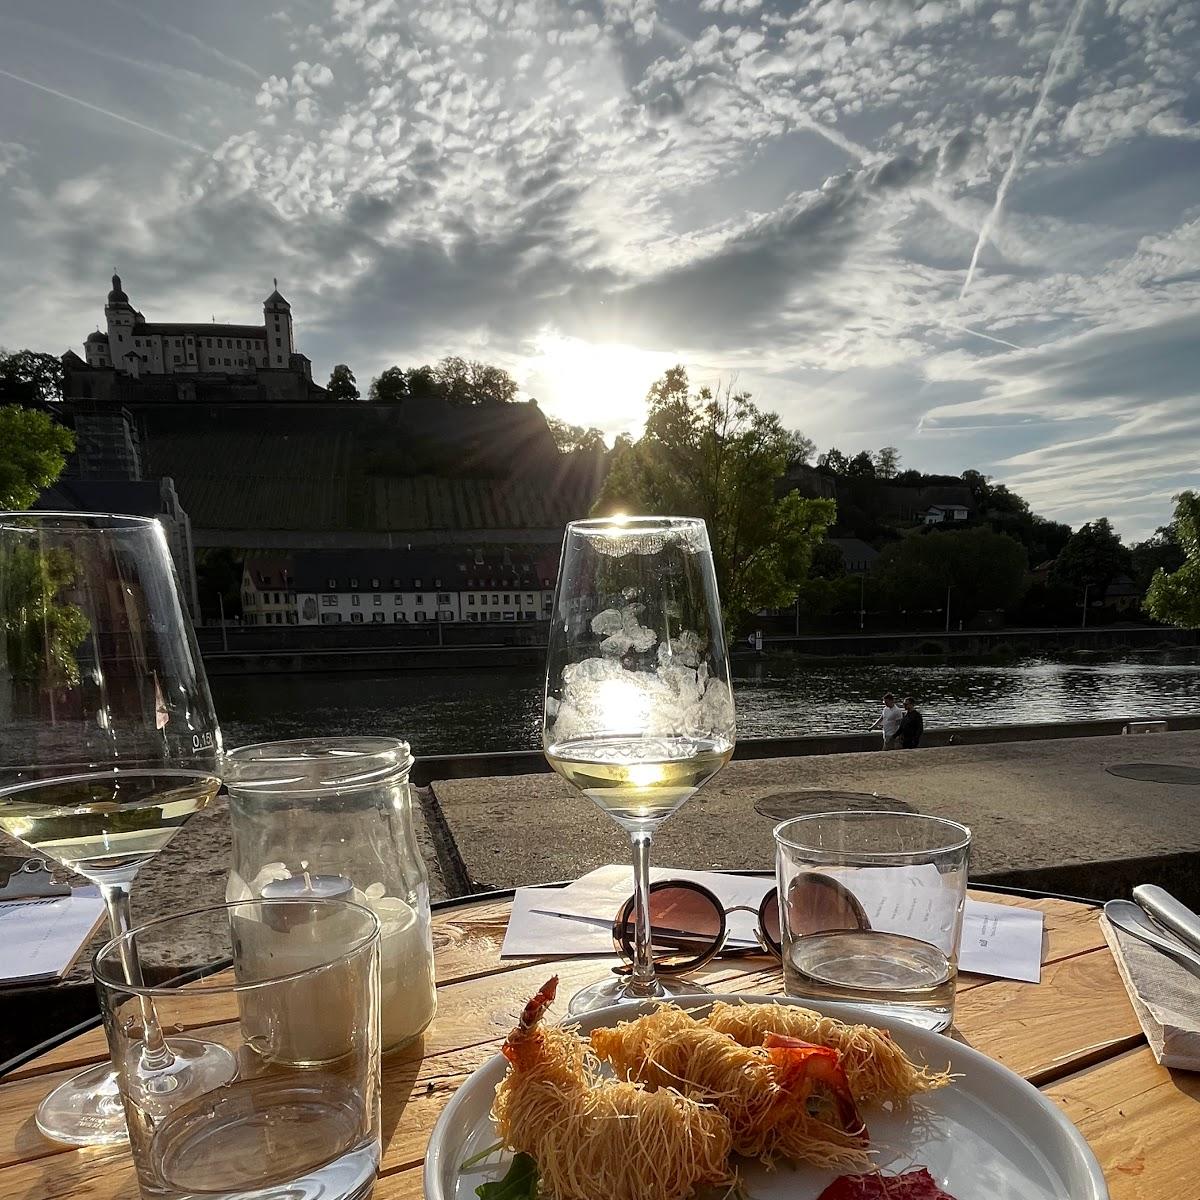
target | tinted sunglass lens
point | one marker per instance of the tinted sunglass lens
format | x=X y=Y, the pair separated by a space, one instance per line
x=684 y=926
x=770 y=922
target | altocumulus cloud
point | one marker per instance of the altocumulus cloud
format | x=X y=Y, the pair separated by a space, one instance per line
x=790 y=191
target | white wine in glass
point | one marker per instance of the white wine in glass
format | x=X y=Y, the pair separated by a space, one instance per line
x=639 y=708
x=108 y=744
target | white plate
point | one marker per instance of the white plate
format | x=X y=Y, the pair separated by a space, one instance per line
x=988 y=1136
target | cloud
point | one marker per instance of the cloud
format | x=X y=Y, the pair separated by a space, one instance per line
x=790 y=191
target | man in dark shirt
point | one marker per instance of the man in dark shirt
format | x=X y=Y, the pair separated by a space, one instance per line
x=912 y=725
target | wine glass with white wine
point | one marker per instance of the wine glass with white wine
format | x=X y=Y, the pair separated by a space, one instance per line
x=108 y=744
x=639 y=708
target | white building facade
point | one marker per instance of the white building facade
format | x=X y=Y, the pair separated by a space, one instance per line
x=395 y=588
x=140 y=347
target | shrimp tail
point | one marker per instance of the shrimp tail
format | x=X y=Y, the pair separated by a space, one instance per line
x=800 y=1065
x=521 y=1045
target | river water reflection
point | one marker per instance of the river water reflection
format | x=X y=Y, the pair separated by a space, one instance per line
x=447 y=712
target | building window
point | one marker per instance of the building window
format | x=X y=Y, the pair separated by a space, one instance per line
x=483 y=600
x=493 y=616
x=528 y=597
x=331 y=618
x=419 y=599
x=227 y=362
x=443 y=597
x=507 y=599
x=378 y=617
x=417 y=584
x=398 y=599
x=354 y=600
x=377 y=599
x=178 y=359
x=353 y=582
x=278 y=342
x=397 y=617
x=437 y=583
x=356 y=618
x=329 y=601
x=333 y=583
x=472 y=616
x=374 y=583
x=471 y=601
x=418 y=616
x=395 y=585
x=247 y=597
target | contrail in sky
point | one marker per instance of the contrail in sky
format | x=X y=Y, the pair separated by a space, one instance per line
x=104 y=112
x=147 y=18
x=987 y=337
x=1035 y=115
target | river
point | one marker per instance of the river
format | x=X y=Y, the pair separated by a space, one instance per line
x=448 y=712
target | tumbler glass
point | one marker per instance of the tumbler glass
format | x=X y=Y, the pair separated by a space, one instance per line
x=299 y=1010
x=872 y=907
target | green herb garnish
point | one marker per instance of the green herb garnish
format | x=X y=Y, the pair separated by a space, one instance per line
x=520 y=1183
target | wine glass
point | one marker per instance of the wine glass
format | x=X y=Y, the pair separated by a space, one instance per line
x=639 y=708
x=108 y=743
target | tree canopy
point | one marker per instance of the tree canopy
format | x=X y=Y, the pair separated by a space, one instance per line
x=460 y=382
x=38 y=375
x=342 y=385
x=1174 y=597
x=33 y=452
x=1091 y=558
x=569 y=438
x=983 y=569
x=716 y=455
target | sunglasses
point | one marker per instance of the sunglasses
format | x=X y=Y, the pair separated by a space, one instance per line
x=689 y=925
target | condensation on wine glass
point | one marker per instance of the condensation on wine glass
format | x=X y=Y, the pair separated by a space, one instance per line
x=675 y=696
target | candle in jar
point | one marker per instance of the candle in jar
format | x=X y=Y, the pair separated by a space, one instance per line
x=310 y=1019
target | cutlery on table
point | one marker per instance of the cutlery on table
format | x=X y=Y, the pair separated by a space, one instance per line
x=1127 y=916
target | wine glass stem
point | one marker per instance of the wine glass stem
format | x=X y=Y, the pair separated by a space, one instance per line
x=155 y=1053
x=643 y=957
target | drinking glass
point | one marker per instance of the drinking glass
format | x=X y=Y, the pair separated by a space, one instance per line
x=108 y=739
x=639 y=708
x=873 y=911
x=299 y=1012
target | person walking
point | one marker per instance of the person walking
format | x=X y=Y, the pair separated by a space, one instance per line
x=912 y=725
x=889 y=721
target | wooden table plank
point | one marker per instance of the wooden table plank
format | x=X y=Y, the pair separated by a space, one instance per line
x=1142 y=1121
x=479 y=996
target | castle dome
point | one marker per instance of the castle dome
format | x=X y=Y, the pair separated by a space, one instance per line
x=96 y=336
x=117 y=296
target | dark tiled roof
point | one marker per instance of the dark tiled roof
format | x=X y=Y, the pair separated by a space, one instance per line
x=276 y=298
x=855 y=549
x=399 y=570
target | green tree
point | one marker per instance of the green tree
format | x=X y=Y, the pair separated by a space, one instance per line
x=1174 y=597
x=468 y=383
x=834 y=461
x=1160 y=551
x=1092 y=558
x=423 y=383
x=983 y=569
x=717 y=456
x=861 y=466
x=40 y=633
x=41 y=374
x=389 y=387
x=33 y=452
x=887 y=463
x=569 y=438
x=342 y=385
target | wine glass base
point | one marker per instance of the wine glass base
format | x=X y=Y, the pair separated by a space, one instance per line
x=87 y=1110
x=620 y=990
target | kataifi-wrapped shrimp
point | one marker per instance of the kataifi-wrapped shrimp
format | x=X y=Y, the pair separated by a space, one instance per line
x=595 y=1138
x=877 y=1069
x=786 y=1099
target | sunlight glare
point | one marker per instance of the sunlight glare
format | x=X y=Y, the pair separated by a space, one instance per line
x=594 y=384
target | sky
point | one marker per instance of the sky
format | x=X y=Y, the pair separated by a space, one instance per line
x=968 y=230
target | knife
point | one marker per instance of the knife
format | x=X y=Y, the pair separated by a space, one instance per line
x=1169 y=913
x=1127 y=916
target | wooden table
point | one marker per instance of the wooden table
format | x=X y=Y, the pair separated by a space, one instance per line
x=1074 y=1035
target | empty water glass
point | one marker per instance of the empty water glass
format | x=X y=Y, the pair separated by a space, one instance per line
x=872 y=906
x=299 y=1010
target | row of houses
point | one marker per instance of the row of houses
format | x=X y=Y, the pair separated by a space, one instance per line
x=398 y=587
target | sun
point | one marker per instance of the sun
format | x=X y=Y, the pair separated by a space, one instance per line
x=601 y=384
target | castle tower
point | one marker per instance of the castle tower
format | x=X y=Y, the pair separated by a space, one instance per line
x=120 y=315
x=277 y=317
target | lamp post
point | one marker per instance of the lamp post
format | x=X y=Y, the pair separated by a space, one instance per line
x=947 y=608
x=862 y=611
x=1083 y=622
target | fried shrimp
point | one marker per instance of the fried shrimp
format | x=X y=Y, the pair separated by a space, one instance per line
x=772 y=1096
x=595 y=1138
x=877 y=1069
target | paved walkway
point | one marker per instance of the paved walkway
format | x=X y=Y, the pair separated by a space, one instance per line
x=1030 y=804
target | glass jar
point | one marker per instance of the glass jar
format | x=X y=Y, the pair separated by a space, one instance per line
x=332 y=818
